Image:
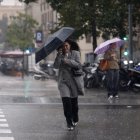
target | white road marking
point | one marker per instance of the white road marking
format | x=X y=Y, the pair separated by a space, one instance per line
x=6 y=138
x=4 y=125
x=3 y=120
x=5 y=131
x=2 y=116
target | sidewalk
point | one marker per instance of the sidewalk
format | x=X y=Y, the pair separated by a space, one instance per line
x=99 y=97
x=28 y=90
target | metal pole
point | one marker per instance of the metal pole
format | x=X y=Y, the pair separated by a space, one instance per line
x=130 y=31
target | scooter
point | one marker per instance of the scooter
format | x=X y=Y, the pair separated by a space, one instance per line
x=102 y=80
x=135 y=79
x=129 y=80
x=90 y=76
x=39 y=74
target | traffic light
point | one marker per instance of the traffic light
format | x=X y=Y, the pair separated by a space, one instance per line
x=125 y=52
x=125 y=38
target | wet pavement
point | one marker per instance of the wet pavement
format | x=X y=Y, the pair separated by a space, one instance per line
x=47 y=122
x=28 y=90
x=33 y=110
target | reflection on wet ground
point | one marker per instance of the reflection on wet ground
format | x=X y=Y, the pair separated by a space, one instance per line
x=47 y=122
x=38 y=113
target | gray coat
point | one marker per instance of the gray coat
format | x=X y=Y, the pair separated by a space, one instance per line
x=66 y=83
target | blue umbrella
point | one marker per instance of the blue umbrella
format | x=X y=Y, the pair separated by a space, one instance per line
x=53 y=42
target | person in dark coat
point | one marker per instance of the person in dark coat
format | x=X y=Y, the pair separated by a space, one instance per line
x=68 y=57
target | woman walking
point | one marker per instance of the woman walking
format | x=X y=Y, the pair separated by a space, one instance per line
x=68 y=57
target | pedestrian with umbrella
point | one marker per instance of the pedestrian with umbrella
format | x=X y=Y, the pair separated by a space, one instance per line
x=111 y=55
x=68 y=63
x=68 y=58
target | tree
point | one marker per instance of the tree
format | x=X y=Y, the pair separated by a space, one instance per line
x=113 y=18
x=20 y=32
x=76 y=13
x=110 y=17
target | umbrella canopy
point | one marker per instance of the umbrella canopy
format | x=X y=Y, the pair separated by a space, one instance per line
x=103 y=47
x=53 y=42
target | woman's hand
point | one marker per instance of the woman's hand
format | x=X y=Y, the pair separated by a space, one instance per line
x=60 y=51
x=65 y=61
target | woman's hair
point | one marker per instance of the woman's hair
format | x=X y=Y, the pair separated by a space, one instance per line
x=74 y=45
x=61 y=46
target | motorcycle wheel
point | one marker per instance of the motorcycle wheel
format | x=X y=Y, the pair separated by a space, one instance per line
x=135 y=89
x=123 y=85
x=43 y=78
x=88 y=83
x=91 y=82
x=36 y=78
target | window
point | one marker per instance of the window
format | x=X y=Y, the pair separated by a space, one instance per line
x=88 y=38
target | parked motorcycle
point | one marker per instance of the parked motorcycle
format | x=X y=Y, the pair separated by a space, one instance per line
x=129 y=80
x=90 y=76
x=124 y=79
x=39 y=74
x=45 y=70
x=101 y=80
x=135 y=78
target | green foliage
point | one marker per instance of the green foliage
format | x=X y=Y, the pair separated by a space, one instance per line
x=20 y=32
x=111 y=16
x=69 y=14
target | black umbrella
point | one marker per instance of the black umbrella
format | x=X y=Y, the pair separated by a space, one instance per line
x=53 y=42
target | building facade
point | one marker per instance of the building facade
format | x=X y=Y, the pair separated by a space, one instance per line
x=6 y=13
x=48 y=18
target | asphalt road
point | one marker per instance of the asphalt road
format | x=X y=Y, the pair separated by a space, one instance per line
x=46 y=122
x=32 y=110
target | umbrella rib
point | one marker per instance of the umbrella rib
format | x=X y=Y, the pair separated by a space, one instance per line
x=53 y=45
x=105 y=45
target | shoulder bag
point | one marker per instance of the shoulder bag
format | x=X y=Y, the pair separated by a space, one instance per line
x=77 y=72
x=104 y=65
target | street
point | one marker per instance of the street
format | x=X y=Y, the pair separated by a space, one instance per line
x=45 y=122
x=65 y=39
x=32 y=110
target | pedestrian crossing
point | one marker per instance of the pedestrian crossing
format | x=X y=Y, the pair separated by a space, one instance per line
x=5 y=131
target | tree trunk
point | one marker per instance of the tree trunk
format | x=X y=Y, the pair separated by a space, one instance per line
x=94 y=42
x=23 y=66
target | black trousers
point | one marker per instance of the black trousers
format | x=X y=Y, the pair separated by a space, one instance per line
x=70 y=106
